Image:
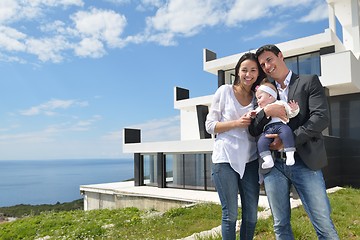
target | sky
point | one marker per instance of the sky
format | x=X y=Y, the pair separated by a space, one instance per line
x=75 y=73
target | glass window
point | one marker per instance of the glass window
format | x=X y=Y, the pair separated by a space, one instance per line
x=194 y=171
x=209 y=183
x=292 y=64
x=189 y=171
x=335 y=119
x=354 y=116
x=150 y=170
x=169 y=159
x=175 y=167
x=305 y=64
x=345 y=116
x=309 y=63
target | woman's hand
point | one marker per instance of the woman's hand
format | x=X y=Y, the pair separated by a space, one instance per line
x=245 y=120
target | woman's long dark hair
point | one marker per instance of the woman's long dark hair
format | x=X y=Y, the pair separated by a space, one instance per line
x=249 y=56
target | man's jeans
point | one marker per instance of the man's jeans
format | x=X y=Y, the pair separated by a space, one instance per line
x=311 y=188
x=228 y=185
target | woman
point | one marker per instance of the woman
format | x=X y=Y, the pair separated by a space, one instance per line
x=235 y=158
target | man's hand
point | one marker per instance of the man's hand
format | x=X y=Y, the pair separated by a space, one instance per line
x=277 y=143
x=276 y=110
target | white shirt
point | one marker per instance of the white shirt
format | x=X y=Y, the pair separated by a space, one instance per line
x=283 y=93
x=289 y=112
x=235 y=146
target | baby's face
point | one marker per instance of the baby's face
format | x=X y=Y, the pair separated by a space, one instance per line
x=263 y=98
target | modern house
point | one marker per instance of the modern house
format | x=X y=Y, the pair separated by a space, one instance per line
x=333 y=55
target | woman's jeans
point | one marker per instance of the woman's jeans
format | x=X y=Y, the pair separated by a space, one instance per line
x=311 y=188
x=228 y=184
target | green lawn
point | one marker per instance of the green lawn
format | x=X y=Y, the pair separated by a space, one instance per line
x=131 y=223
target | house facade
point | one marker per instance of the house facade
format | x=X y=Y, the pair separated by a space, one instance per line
x=332 y=54
x=185 y=164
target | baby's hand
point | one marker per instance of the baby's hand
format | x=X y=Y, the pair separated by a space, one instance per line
x=251 y=114
x=293 y=105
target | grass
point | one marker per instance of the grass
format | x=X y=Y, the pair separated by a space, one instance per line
x=22 y=210
x=128 y=223
x=131 y=223
x=345 y=215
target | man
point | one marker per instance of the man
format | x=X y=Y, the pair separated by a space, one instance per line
x=305 y=175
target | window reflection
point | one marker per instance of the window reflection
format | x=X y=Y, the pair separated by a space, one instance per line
x=305 y=64
x=150 y=170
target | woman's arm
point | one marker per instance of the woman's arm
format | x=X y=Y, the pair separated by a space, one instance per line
x=215 y=122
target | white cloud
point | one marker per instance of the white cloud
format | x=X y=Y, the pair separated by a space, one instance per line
x=90 y=32
x=149 y=4
x=49 y=107
x=90 y=47
x=55 y=26
x=119 y=2
x=71 y=126
x=8 y=9
x=24 y=138
x=14 y=10
x=104 y=25
x=318 y=13
x=48 y=49
x=185 y=19
x=245 y=10
x=10 y=39
x=8 y=58
x=88 y=122
x=55 y=3
x=277 y=28
x=167 y=129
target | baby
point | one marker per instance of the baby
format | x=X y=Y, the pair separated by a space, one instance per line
x=266 y=93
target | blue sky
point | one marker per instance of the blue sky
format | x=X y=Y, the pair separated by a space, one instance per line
x=74 y=73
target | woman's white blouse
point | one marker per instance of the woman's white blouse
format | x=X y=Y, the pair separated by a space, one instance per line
x=235 y=146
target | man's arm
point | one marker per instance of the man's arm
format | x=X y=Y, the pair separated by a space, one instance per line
x=318 y=109
x=264 y=116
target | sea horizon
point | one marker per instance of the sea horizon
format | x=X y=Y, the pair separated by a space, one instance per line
x=43 y=181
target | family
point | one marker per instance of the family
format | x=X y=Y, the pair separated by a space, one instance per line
x=268 y=126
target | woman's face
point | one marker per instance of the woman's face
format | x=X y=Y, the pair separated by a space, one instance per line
x=248 y=73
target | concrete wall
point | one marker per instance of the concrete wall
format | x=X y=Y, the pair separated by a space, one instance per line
x=145 y=203
x=94 y=201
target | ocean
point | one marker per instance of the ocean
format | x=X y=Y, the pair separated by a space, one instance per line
x=51 y=181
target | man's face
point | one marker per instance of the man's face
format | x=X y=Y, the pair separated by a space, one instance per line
x=272 y=65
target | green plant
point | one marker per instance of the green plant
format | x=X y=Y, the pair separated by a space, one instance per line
x=132 y=223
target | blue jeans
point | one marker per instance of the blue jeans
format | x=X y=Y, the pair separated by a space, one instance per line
x=285 y=133
x=228 y=184
x=311 y=188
